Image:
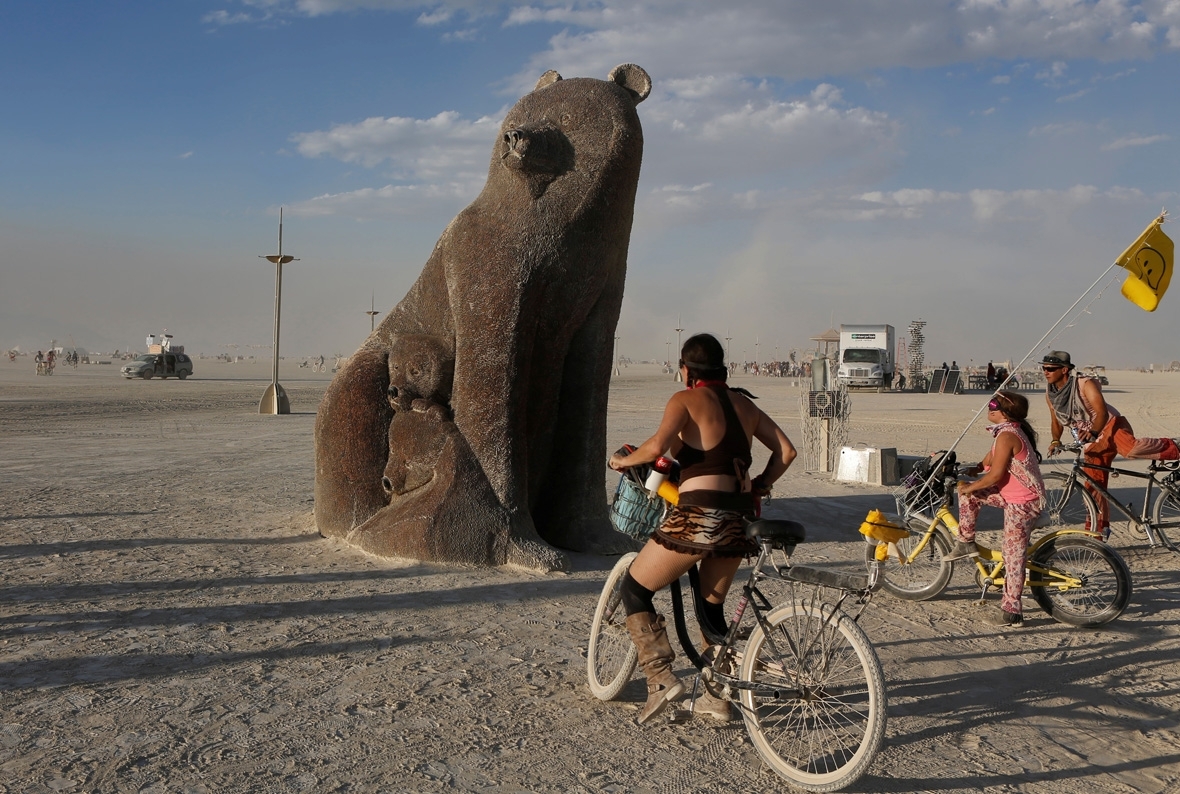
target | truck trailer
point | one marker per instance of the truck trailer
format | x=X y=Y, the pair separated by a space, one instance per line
x=866 y=356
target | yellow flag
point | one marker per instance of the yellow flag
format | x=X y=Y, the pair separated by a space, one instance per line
x=1149 y=259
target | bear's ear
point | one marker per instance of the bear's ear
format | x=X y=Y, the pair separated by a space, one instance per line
x=549 y=78
x=633 y=78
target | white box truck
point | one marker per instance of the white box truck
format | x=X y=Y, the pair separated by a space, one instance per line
x=867 y=356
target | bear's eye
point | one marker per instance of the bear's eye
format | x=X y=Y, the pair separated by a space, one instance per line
x=414 y=372
x=565 y=119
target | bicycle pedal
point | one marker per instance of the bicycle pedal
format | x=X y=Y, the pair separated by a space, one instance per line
x=679 y=716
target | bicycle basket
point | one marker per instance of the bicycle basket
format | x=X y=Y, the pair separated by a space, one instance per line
x=920 y=497
x=633 y=512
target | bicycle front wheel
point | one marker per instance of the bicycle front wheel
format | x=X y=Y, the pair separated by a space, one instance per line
x=1068 y=503
x=1080 y=581
x=1166 y=512
x=923 y=574
x=816 y=710
x=611 y=656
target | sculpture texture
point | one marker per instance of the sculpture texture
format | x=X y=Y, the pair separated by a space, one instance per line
x=470 y=427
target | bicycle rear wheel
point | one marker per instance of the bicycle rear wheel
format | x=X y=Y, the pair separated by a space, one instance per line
x=1084 y=583
x=817 y=714
x=924 y=576
x=611 y=656
x=1069 y=504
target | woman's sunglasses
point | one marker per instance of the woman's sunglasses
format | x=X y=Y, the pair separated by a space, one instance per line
x=993 y=405
x=1051 y=369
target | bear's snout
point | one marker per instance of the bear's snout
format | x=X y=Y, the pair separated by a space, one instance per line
x=540 y=149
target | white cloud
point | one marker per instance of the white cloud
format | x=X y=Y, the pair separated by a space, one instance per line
x=407 y=200
x=1058 y=129
x=1053 y=74
x=223 y=17
x=727 y=130
x=436 y=17
x=793 y=39
x=433 y=149
x=466 y=34
x=1028 y=205
x=1001 y=79
x=1134 y=140
x=186 y=155
x=1108 y=78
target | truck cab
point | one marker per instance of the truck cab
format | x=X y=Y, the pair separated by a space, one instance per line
x=866 y=357
x=864 y=367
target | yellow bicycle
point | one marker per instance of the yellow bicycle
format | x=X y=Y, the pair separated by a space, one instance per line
x=1074 y=578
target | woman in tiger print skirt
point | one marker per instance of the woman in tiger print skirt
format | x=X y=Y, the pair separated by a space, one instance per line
x=709 y=428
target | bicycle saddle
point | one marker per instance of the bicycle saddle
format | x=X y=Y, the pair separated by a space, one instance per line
x=777 y=531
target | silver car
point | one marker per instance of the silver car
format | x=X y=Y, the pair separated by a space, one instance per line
x=163 y=365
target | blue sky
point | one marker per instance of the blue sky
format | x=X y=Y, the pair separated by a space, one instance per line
x=977 y=164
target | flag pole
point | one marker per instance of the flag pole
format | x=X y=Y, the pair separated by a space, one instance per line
x=1027 y=356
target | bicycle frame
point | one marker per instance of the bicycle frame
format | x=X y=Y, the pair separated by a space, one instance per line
x=990 y=562
x=752 y=597
x=1155 y=534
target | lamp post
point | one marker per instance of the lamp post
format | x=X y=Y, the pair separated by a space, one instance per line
x=679 y=346
x=372 y=314
x=728 y=339
x=274 y=399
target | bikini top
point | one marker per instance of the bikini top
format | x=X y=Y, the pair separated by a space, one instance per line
x=731 y=455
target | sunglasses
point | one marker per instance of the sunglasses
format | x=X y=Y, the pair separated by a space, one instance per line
x=994 y=405
x=1051 y=369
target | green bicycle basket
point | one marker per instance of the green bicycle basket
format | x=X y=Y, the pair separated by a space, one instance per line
x=633 y=512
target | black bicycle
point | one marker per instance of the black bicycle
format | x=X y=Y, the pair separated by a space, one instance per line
x=803 y=673
x=1071 y=503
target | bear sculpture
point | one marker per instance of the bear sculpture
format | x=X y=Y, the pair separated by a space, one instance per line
x=470 y=427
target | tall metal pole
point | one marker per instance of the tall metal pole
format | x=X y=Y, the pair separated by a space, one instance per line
x=274 y=399
x=679 y=346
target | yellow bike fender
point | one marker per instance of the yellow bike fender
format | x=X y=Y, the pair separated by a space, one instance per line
x=881 y=529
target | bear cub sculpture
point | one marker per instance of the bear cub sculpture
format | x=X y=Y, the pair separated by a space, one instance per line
x=470 y=427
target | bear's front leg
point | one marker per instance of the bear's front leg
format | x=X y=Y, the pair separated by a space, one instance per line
x=489 y=403
x=571 y=509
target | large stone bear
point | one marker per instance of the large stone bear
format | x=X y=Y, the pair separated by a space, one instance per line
x=471 y=426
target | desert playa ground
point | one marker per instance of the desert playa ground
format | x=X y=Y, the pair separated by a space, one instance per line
x=172 y=622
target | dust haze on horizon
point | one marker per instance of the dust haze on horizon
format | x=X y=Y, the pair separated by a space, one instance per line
x=975 y=165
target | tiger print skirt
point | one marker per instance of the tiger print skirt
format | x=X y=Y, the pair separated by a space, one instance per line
x=708 y=530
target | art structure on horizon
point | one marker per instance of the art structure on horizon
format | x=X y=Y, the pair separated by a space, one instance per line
x=470 y=427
